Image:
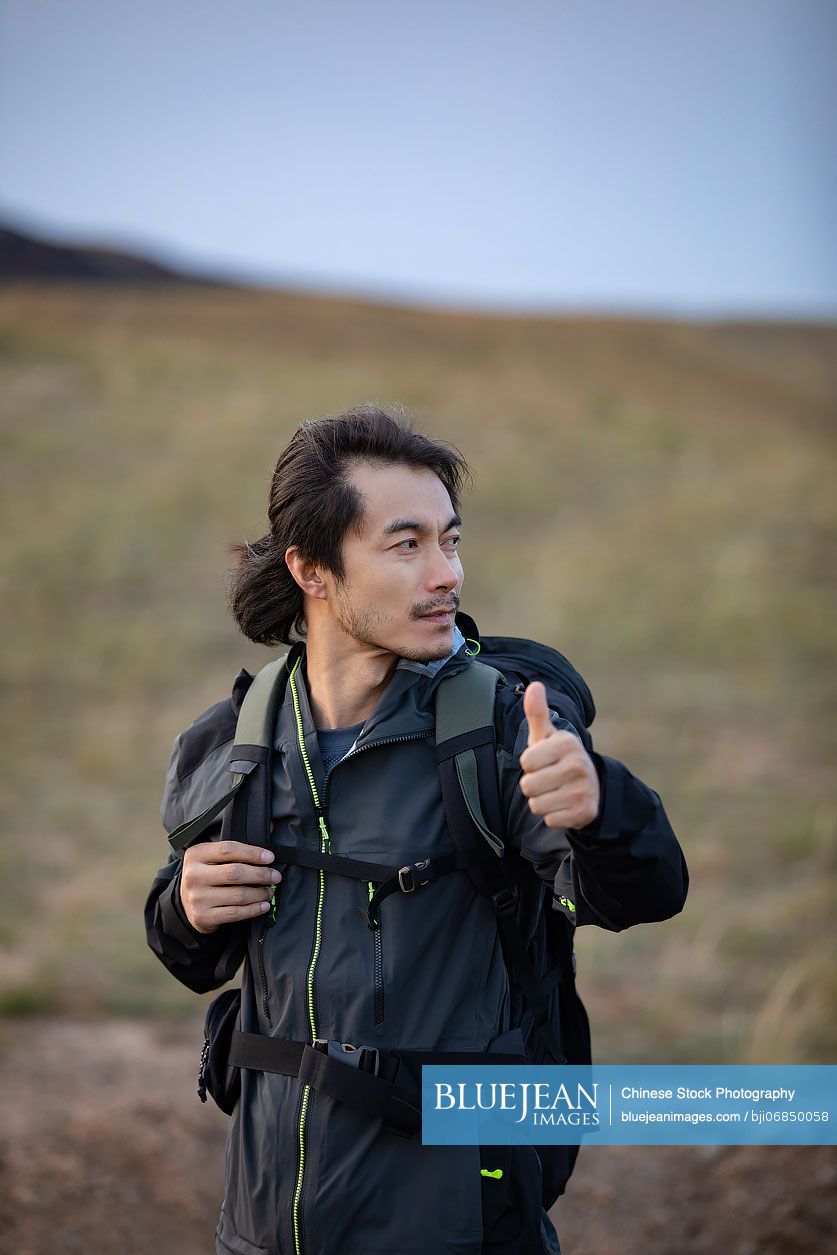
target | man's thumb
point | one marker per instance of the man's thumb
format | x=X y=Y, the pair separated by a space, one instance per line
x=537 y=712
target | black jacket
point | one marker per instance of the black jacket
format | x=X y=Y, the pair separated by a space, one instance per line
x=306 y=1175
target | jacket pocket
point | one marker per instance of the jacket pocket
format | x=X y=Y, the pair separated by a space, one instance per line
x=261 y=967
x=227 y=1239
x=510 y=1182
x=377 y=967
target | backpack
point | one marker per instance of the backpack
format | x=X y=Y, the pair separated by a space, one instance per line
x=544 y=1002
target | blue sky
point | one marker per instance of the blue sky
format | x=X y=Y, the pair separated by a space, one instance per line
x=662 y=156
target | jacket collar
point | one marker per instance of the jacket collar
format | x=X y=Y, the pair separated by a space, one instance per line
x=430 y=668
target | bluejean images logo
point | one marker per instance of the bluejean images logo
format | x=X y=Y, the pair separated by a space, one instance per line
x=630 y=1104
x=535 y=1102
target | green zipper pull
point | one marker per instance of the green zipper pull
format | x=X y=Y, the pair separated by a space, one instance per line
x=372 y=923
x=568 y=904
x=496 y=1173
x=326 y=838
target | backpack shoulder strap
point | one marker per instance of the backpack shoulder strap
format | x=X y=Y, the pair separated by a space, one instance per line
x=464 y=722
x=466 y=763
x=251 y=748
x=258 y=709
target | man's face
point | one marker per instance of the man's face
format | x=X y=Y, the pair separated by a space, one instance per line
x=403 y=565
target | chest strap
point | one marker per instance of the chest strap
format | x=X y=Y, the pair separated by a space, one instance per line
x=389 y=879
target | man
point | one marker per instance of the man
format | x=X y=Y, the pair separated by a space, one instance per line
x=360 y=573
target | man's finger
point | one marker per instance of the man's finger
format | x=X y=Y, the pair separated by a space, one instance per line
x=233 y=852
x=241 y=874
x=537 y=712
x=229 y=895
x=554 y=775
x=233 y=914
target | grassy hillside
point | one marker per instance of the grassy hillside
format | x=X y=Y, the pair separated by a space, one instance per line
x=653 y=498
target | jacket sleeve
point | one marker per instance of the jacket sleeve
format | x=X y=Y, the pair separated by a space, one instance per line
x=624 y=868
x=201 y=961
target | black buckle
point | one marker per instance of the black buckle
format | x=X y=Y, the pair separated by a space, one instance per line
x=404 y=872
x=348 y=1052
x=373 y=1055
x=505 y=901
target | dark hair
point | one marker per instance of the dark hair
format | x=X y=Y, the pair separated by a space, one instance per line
x=313 y=504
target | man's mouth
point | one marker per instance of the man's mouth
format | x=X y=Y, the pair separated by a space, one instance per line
x=443 y=615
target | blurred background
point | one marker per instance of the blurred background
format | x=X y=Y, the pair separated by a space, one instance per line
x=591 y=244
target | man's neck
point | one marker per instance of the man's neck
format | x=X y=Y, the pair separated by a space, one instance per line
x=344 y=685
x=345 y=680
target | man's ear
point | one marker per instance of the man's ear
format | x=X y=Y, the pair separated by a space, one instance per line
x=306 y=573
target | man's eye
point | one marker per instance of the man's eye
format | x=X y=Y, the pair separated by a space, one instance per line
x=451 y=540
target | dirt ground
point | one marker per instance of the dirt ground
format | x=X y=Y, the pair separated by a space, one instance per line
x=105 y=1149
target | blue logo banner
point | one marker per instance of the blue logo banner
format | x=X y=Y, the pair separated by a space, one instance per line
x=629 y=1105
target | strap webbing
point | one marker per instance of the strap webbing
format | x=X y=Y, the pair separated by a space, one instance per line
x=388 y=879
x=416 y=876
x=342 y=864
x=253 y=737
x=466 y=770
x=391 y=1095
x=186 y=833
x=282 y=1054
x=464 y=704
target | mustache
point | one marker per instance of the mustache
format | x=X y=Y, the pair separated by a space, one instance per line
x=438 y=609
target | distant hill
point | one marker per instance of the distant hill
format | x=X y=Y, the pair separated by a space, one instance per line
x=27 y=257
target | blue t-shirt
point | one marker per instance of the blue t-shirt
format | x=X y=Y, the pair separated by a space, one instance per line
x=334 y=742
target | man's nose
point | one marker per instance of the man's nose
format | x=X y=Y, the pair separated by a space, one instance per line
x=444 y=573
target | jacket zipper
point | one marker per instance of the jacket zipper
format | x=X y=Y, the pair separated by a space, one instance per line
x=260 y=944
x=263 y=974
x=378 y=984
x=325 y=846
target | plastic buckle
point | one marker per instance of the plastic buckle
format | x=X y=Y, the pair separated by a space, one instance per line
x=404 y=872
x=354 y=1056
x=372 y=1053
x=505 y=901
x=345 y=1051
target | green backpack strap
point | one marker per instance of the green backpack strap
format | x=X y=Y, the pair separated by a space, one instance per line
x=258 y=710
x=465 y=739
x=253 y=739
x=464 y=705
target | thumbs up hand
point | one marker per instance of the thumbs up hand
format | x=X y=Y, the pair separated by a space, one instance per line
x=559 y=776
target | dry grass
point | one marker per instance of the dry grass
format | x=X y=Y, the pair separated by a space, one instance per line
x=654 y=498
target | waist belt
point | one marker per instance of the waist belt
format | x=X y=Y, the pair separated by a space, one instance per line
x=385 y=1085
